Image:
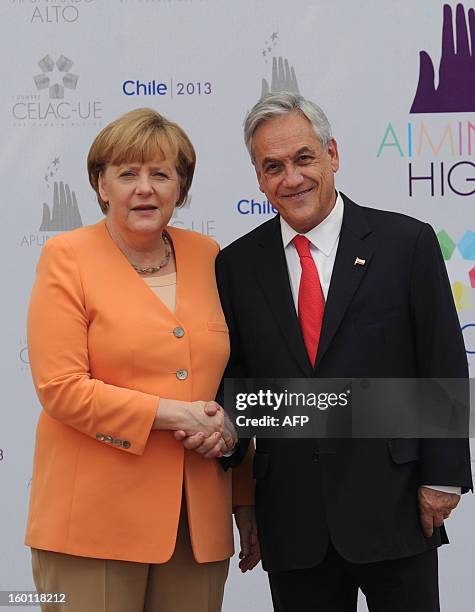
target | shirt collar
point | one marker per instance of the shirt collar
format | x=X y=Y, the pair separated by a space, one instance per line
x=324 y=235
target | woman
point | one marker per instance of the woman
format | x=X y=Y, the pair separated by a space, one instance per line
x=127 y=344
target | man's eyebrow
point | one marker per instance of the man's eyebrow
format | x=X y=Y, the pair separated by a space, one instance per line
x=300 y=151
x=304 y=150
x=270 y=160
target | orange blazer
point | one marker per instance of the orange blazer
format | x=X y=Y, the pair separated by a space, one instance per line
x=102 y=351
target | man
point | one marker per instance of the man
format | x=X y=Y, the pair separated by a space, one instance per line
x=330 y=289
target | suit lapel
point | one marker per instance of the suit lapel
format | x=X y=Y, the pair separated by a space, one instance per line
x=273 y=278
x=346 y=275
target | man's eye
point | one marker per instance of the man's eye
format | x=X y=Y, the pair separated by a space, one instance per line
x=305 y=158
x=272 y=168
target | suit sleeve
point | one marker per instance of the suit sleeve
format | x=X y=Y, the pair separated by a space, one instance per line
x=440 y=354
x=242 y=458
x=235 y=367
x=58 y=351
x=243 y=482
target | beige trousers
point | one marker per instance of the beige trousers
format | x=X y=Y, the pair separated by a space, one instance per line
x=102 y=585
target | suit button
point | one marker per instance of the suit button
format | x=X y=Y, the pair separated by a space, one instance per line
x=178 y=332
x=126 y=444
x=182 y=374
x=316 y=456
x=100 y=436
x=108 y=439
x=117 y=442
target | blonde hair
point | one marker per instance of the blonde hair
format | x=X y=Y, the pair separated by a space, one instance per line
x=140 y=136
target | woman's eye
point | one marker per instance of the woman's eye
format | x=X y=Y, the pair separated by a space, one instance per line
x=126 y=173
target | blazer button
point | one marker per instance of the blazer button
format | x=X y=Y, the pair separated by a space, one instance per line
x=100 y=437
x=182 y=374
x=108 y=439
x=126 y=444
x=117 y=441
x=178 y=332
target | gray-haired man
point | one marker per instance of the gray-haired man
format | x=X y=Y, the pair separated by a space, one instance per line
x=335 y=516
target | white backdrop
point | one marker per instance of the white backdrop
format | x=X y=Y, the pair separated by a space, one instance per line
x=71 y=66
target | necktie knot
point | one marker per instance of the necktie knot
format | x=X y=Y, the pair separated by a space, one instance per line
x=302 y=244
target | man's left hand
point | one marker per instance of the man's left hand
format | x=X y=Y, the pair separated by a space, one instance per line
x=250 y=553
x=435 y=507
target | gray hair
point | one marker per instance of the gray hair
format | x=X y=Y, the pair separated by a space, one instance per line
x=281 y=103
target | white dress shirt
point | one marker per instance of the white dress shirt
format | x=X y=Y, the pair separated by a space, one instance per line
x=323 y=247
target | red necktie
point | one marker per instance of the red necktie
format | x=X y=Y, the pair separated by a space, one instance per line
x=310 y=302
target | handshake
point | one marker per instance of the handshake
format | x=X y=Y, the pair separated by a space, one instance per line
x=201 y=426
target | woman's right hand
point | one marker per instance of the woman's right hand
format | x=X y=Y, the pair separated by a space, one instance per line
x=215 y=445
x=190 y=417
x=204 y=417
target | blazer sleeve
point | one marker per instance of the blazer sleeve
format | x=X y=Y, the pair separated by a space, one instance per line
x=58 y=352
x=440 y=354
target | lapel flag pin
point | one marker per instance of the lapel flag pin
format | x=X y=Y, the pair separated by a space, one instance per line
x=359 y=262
